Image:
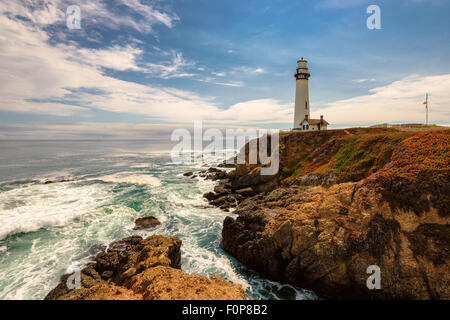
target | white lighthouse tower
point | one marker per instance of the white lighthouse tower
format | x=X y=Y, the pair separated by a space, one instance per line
x=302 y=118
x=301 y=93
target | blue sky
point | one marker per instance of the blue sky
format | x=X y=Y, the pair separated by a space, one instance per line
x=138 y=64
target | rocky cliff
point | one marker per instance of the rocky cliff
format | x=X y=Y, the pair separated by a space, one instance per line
x=143 y=269
x=342 y=201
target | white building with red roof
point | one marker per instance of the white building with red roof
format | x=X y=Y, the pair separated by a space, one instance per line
x=302 y=119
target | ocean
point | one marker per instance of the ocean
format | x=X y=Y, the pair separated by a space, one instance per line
x=98 y=189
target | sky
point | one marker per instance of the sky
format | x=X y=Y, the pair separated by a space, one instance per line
x=136 y=67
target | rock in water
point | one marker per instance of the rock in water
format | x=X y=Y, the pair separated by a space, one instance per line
x=143 y=269
x=146 y=223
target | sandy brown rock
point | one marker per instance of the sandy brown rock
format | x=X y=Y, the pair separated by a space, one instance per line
x=336 y=208
x=323 y=239
x=135 y=269
x=163 y=283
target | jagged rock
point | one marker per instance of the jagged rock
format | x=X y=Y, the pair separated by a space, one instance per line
x=246 y=191
x=134 y=269
x=315 y=179
x=231 y=175
x=215 y=174
x=226 y=165
x=96 y=249
x=311 y=244
x=146 y=222
x=224 y=201
x=209 y=196
x=383 y=200
x=60 y=180
x=221 y=189
x=188 y=174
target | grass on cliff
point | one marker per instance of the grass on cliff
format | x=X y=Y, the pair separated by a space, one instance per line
x=363 y=155
x=413 y=168
x=351 y=156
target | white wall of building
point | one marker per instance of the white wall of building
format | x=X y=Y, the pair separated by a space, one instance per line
x=301 y=95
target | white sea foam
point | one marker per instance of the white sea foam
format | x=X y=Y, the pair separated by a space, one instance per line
x=51 y=255
x=138 y=155
x=107 y=212
x=40 y=206
x=142 y=165
x=131 y=178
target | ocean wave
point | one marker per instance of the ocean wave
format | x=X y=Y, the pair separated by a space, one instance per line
x=143 y=165
x=130 y=178
x=40 y=206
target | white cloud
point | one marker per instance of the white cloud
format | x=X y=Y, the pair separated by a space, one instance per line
x=143 y=18
x=364 y=80
x=116 y=57
x=400 y=101
x=173 y=69
x=65 y=80
x=37 y=74
x=151 y=15
x=221 y=83
x=96 y=130
x=231 y=83
x=247 y=70
x=236 y=73
x=219 y=74
x=263 y=111
x=47 y=12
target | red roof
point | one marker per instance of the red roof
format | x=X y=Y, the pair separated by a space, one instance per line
x=317 y=121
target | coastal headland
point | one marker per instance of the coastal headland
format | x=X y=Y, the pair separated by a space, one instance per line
x=342 y=202
x=345 y=200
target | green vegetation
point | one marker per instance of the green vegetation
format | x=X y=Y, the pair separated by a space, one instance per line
x=351 y=156
x=364 y=154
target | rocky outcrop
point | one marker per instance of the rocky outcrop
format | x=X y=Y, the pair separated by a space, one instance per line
x=213 y=174
x=223 y=195
x=331 y=216
x=149 y=269
x=146 y=223
x=237 y=184
x=324 y=239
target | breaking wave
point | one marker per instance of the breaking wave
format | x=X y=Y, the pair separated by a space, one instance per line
x=48 y=229
x=36 y=206
x=130 y=178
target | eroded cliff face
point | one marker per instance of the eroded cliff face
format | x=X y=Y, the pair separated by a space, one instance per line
x=144 y=269
x=322 y=225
